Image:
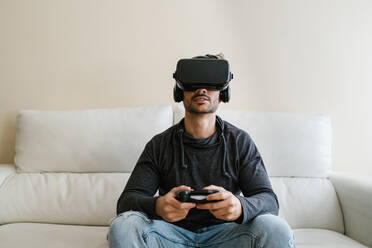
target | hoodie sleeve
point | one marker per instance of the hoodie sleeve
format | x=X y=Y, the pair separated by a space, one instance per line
x=138 y=194
x=259 y=197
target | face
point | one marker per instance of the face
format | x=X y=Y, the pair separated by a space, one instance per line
x=201 y=101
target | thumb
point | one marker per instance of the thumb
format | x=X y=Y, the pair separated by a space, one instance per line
x=214 y=187
x=182 y=187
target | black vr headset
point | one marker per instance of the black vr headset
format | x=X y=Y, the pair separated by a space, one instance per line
x=209 y=72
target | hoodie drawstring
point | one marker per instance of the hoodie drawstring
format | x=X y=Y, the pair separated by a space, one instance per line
x=224 y=172
x=183 y=165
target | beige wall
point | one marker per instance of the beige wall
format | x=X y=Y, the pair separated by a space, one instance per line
x=290 y=55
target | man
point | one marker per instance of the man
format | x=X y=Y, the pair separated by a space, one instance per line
x=201 y=152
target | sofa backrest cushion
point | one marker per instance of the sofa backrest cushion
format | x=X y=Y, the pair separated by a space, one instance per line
x=308 y=203
x=95 y=140
x=291 y=145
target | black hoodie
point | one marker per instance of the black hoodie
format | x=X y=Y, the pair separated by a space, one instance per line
x=229 y=158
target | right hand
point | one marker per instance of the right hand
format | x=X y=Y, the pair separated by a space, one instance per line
x=170 y=209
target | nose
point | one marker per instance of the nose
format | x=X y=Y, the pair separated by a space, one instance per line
x=201 y=91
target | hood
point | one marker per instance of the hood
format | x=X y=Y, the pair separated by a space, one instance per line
x=203 y=143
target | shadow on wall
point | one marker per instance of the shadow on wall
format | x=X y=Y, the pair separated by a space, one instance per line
x=7 y=138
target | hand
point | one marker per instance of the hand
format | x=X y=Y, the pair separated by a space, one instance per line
x=228 y=208
x=170 y=209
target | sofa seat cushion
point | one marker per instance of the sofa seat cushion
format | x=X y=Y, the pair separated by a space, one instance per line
x=72 y=236
x=315 y=238
x=90 y=199
x=20 y=235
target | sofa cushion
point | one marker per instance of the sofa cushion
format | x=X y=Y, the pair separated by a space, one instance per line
x=291 y=145
x=20 y=235
x=95 y=140
x=90 y=199
x=315 y=238
x=5 y=171
x=308 y=203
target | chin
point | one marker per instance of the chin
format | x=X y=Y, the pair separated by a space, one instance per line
x=201 y=110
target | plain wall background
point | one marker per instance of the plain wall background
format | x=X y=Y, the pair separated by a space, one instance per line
x=299 y=56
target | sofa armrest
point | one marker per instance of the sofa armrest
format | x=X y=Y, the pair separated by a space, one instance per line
x=355 y=195
x=5 y=171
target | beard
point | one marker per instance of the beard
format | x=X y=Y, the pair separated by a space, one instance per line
x=212 y=108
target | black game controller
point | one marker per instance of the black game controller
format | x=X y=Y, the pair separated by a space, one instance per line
x=198 y=196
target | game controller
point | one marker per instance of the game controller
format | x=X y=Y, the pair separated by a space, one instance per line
x=198 y=196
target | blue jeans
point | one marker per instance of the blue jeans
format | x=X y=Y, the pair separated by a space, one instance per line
x=135 y=229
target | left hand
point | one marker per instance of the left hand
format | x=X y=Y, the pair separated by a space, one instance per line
x=228 y=208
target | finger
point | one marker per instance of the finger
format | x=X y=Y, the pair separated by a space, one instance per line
x=180 y=205
x=187 y=205
x=214 y=187
x=223 y=195
x=182 y=187
x=213 y=205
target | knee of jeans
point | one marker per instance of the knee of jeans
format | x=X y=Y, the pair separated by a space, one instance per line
x=274 y=227
x=128 y=223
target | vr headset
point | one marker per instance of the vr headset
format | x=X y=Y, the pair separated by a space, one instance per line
x=208 y=72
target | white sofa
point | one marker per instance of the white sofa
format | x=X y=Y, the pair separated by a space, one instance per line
x=71 y=166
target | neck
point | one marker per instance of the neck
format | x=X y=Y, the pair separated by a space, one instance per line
x=200 y=126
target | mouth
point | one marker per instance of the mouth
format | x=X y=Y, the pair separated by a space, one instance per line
x=201 y=99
